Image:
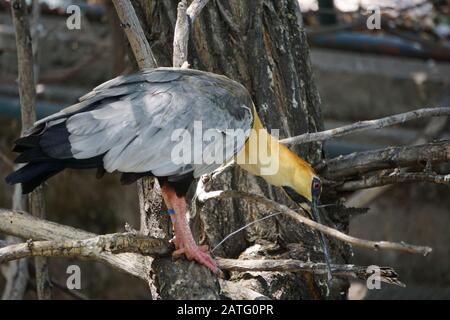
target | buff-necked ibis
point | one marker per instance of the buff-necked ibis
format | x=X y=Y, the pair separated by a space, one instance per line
x=127 y=125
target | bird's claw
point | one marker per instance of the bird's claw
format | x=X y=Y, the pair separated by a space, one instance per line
x=199 y=254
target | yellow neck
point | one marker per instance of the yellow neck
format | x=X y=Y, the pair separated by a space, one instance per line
x=263 y=155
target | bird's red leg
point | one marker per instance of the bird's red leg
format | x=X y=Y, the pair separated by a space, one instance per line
x=184 y=240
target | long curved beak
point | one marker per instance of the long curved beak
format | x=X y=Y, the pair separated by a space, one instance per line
x=315 y=210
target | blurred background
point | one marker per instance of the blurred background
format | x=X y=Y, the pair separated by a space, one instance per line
x=400 y=64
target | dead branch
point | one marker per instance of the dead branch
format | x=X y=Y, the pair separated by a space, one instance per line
x=25 y=226
x=195 y=8
x=393 y=178
x=181 y=35
x=185 y=18
x=387 y=274
x=367 y=125
x=202 y=197
x=389 y=158
x=432 y=130
x=139 y=44
x=93 y=248
x=88 y=248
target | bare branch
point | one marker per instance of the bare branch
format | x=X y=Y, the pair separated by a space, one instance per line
x=368 y=125
x=23 y=225
x=432 y=130
x=270 y=204
x=185 y=17
x=181 y=36
x=393 y=157
x=377 y=181
x=387 y=274
x=88 y=248
x=195 y=8
x=139 y=44
x=93 y=248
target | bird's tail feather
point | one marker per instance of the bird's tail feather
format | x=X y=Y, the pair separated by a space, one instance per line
x=33 y=174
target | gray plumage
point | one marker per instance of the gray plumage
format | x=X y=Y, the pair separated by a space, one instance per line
x=129 y=121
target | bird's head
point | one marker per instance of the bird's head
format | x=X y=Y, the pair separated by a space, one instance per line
x=304 y=185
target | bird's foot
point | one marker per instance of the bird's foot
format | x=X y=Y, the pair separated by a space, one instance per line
x=193 y=252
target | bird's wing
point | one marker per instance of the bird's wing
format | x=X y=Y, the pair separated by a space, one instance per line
x=119 y=86
x=137 y=123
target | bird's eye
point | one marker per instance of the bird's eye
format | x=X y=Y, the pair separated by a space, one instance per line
x=316 y=185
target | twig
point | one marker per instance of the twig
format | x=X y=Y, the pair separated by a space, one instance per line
x=387 y=274
x=377 y=181
x=88 y=248
x=367 y=125
x=139 y=44
x=270 y=204
x=393 y=157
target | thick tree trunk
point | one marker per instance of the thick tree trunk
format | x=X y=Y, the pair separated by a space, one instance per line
x=262 y=44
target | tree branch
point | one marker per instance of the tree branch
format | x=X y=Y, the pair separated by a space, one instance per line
x=367 y=125
x=393 y=157
x=202 y=197
x=181 y=35
x=25 y=226
x=139 y=44
x=130 y=242
x=396 y=177
x=185 y=18
x=387 y=274
x=89 y=248
x=431 y=132
x=195 y=8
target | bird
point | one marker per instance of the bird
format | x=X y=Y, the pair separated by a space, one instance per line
x=128 y=125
